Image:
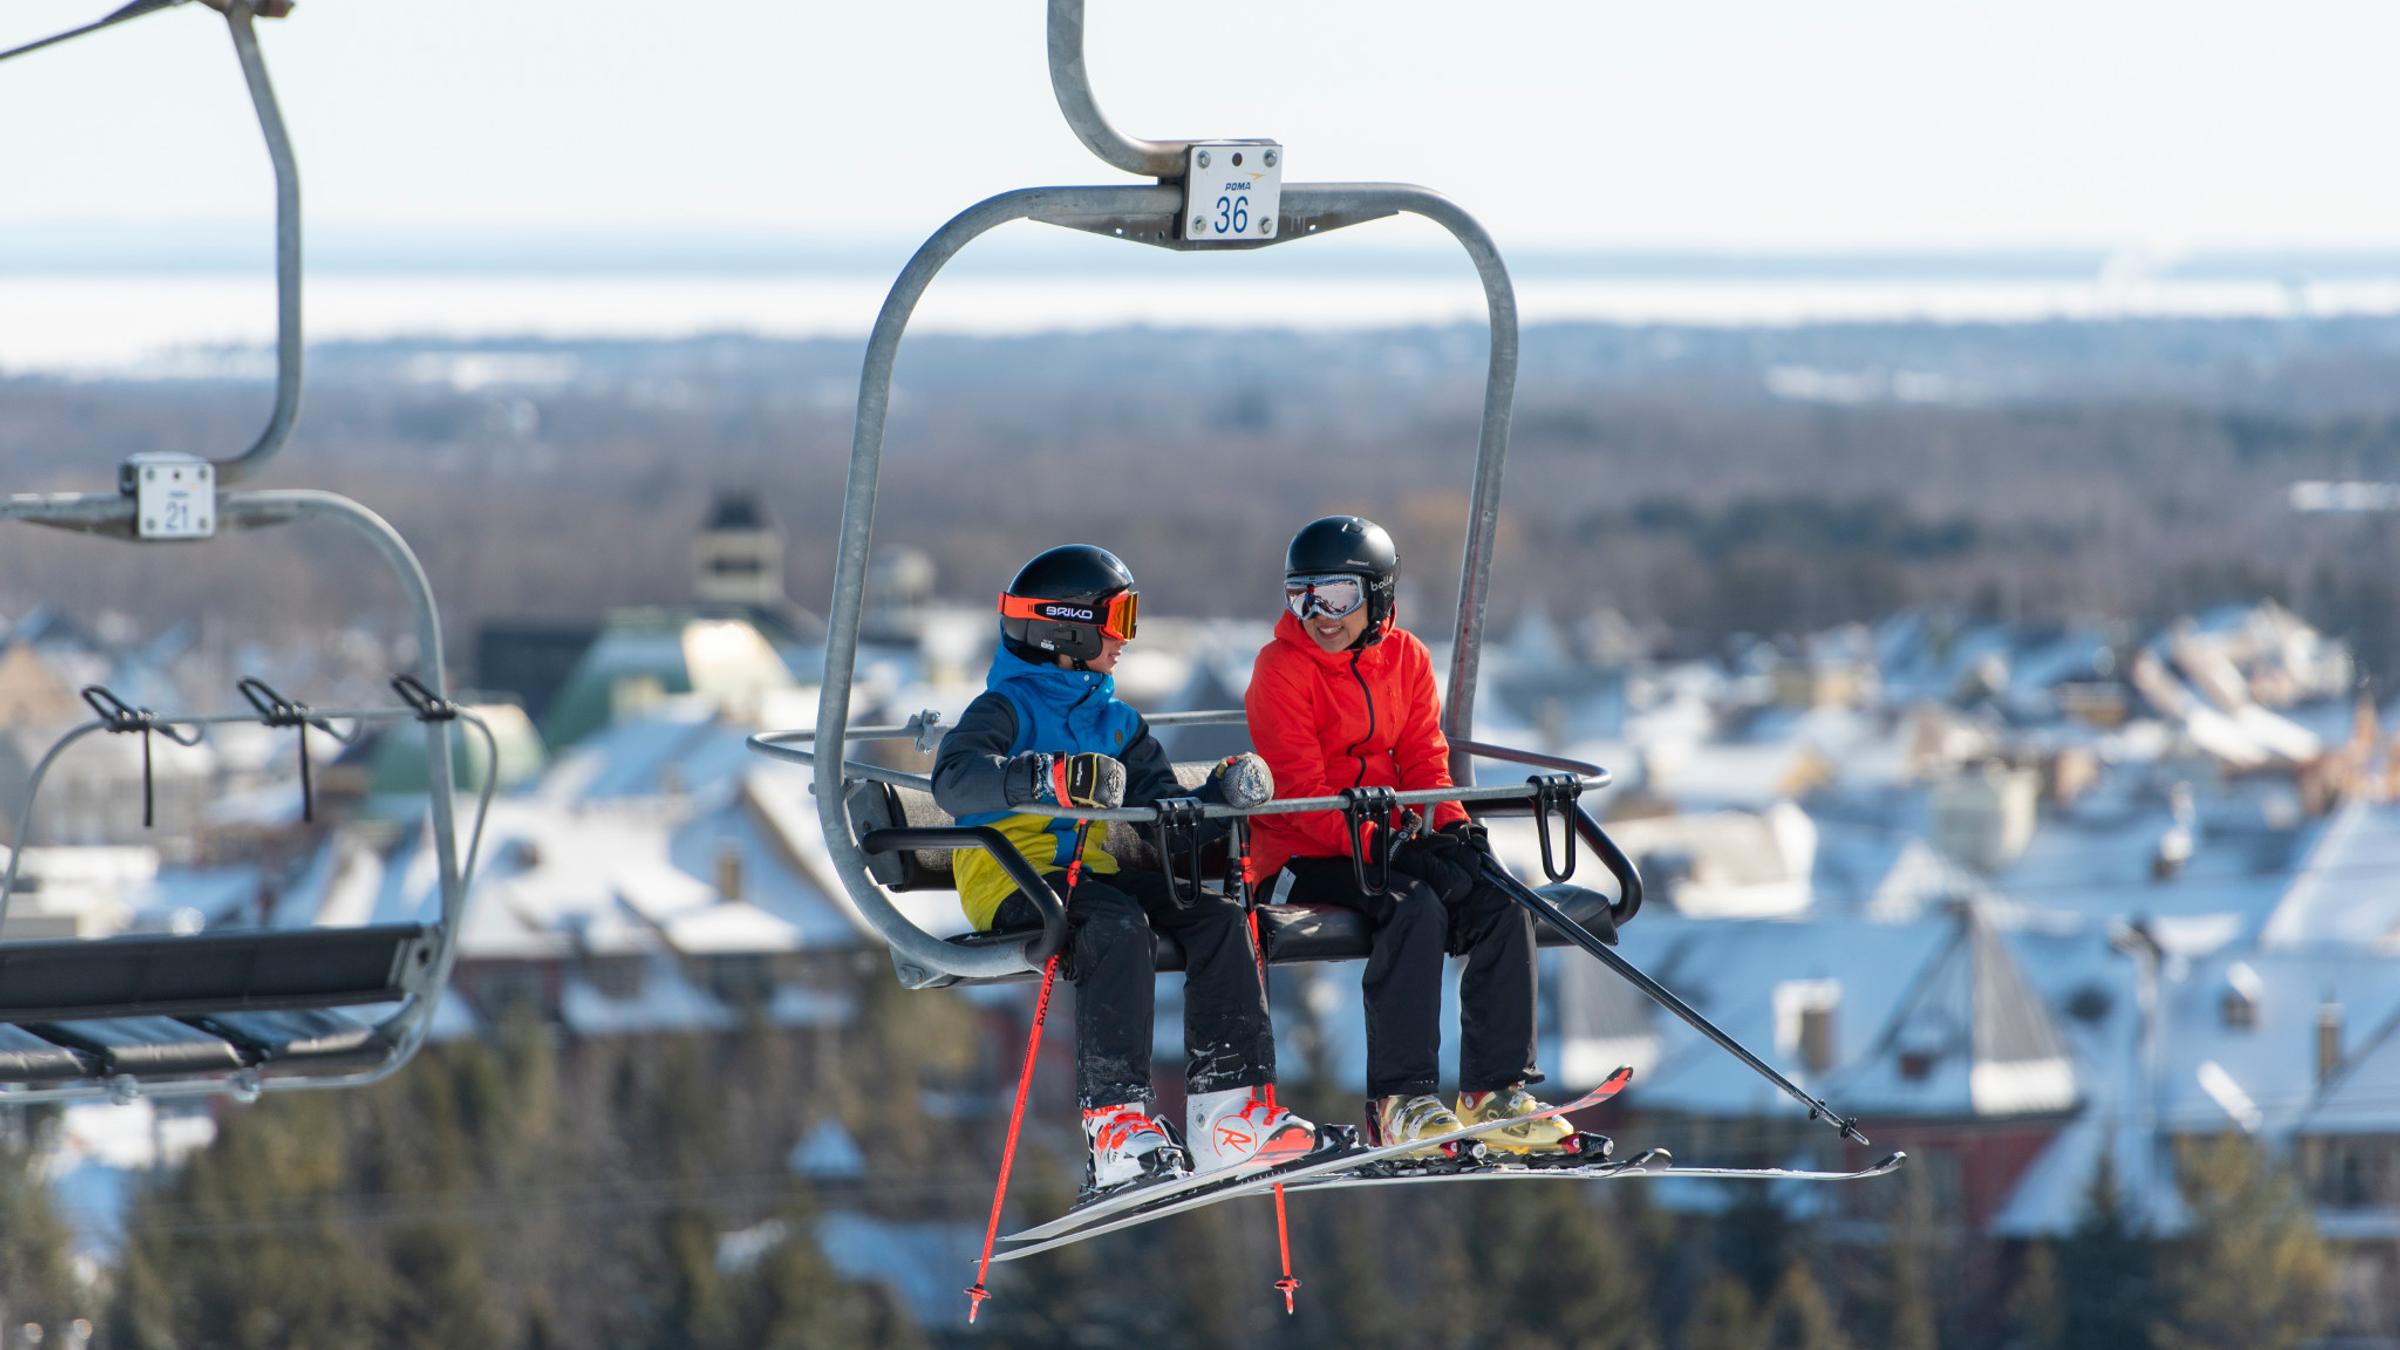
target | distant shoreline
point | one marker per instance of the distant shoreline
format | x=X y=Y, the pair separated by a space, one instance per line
x=144 y=323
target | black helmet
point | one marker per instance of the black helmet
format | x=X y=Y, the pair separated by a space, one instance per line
x=1353 y=546
x=1065 y=600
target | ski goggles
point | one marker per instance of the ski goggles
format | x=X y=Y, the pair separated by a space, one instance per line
x=1336 y=597
x=1113 y=615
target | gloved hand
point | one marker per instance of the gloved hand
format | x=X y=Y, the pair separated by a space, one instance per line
x=1087 y=780
x=1240 y=780
x=1468 y=834
x=1438 y=861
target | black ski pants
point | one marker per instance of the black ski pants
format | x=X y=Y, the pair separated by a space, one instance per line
x=1416 y=922
x=1228 y=1041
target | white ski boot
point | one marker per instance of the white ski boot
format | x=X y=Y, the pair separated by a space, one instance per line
x=1237 y=1126
x=1125 y=1146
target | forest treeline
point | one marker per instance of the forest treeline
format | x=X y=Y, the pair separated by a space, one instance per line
x=2127 y=471
x=539 y=1192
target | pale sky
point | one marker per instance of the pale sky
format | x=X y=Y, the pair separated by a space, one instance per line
x=1700 y=124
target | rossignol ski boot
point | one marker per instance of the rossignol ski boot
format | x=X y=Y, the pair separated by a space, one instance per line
x=1125 y=1145
x=1234 y=1126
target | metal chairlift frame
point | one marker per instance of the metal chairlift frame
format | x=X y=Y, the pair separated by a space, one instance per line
x=232 y=965
x=1148 y=214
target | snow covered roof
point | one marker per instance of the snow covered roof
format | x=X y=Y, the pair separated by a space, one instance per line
x=2361 y=1099
x=1971 y=1039
x=2342 y=894
x=1945 y=993
x=663 y=1000
x=919 y=1261
x=1734 y=864
x=828 y=1153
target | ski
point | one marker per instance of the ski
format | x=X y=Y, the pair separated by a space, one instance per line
x=1507 y=1169
x=1889 y=1163
x=1078 y=1224
x=1342 y=1142
x=1655 y=1164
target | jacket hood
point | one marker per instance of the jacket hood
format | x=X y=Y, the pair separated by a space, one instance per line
x=1050 y=683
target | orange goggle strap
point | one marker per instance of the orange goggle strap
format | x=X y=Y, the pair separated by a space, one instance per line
x=1114 y=616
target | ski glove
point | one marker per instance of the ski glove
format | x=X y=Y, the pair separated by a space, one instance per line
x=1469 y=834
x=1242 y=780
x=1441 y=864
x=1086 y=780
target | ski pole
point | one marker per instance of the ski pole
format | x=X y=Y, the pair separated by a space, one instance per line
x=1287 y=1286
x=977 y=1293
x=1582 y=937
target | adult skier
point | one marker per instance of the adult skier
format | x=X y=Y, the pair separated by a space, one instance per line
x=1049 y=729
x=1343 y=697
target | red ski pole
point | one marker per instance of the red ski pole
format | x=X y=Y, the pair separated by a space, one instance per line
x=1287 y=1286
x=976 y=1293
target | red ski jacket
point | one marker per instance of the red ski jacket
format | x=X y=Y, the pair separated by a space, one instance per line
x=1325 y=721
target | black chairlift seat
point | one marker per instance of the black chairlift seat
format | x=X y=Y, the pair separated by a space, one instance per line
x=208 y=1004
x=1289 y=934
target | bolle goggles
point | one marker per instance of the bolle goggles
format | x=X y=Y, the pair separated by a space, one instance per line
x=1113 y=615
x=1335 y=597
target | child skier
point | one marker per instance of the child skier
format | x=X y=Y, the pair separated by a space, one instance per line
x=1343 y=697
x=1049 y=729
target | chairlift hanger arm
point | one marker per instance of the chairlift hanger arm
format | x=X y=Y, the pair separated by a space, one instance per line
x=1072 y=84
x=288 y=345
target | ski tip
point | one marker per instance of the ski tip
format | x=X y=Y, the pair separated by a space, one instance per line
x=1891 y=1163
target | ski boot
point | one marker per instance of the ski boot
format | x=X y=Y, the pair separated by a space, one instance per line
x=1551 y=1136
x=1126 y=1146
x=1396 y=1120
x=1238 y=1126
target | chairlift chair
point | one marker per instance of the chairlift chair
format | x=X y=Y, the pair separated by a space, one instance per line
x=881 y=826
x=167 y=1015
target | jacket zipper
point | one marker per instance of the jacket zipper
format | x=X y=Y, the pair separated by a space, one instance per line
x=1360 y=781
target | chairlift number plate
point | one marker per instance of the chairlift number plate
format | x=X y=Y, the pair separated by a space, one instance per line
x=1232 y=191
x=175 y=497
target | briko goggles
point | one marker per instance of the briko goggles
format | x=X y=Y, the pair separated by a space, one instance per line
x=1336 y=597
x=1113 y=615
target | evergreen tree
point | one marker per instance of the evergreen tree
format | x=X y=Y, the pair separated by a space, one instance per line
x=249 y=1247
x=1800 y=1317
x=2037 y=1311
x=413 y=1150
x=1753 y=1239
x=36 y=1284
x=1724 y=1319
x=1567 y=1268
x=1908 y=1302
x=2252 y=1274
x=2109 y=1269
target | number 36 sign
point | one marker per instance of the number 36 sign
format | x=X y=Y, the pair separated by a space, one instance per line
x=1232 y=190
